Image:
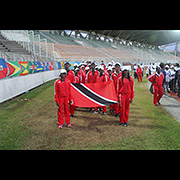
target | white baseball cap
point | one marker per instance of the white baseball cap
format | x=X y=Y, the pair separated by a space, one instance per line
x=62 y=71
x=87 y=68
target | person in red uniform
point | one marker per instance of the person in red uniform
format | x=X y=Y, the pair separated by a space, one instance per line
x=77 y=80
x=92 y=76
x=82 y=74
x=112 y=77
x=63 y=98
x=139 y=73
x=157 y=81
x=118 y=74
x=104 y=77
x=126 y=94
x=70 y=75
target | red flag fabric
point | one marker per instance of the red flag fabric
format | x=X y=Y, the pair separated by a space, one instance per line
x=93 y=94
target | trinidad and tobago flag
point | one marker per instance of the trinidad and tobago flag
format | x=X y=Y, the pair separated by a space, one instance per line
x=93 y=94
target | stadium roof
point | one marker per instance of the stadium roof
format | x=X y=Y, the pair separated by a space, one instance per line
x=151 y=37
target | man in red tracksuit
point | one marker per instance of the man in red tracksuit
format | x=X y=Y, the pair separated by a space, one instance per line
x=139 y=73
x=70 y=75
x=77 y=80
x=62 y=98
x=157 y=81
x=125 y=93
x=92 y=76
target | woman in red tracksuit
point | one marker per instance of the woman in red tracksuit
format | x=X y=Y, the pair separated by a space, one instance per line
x=125 y=93
x=157 y=82
x=139 y=73
x=62 y=98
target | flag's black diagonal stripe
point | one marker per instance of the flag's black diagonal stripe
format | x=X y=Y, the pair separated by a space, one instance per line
x=91 y=95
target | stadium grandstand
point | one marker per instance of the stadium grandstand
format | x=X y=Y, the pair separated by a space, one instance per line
x=125 y=46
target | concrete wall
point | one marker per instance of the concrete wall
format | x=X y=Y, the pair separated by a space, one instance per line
x=12 y=87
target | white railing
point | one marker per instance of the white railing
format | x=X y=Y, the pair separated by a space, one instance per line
x=31 y=42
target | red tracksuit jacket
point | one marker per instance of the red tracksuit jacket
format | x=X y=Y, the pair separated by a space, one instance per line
x=92 y=78
x=62 y=90
x=104 y=78
x=156 y=79
x=70 y=75
x=126 y=92
x=139 y=71
x=125 y=87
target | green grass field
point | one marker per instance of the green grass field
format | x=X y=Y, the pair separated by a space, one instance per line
x=33 y=125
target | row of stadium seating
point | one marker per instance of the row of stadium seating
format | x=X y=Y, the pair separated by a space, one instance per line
x=79 y=47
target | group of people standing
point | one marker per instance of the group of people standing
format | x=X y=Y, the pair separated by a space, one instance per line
x=89 y=72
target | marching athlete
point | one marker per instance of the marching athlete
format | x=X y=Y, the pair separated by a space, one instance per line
x=157 y=81
x=70 y=75
x=63 y=98
x=103 y=77
x=139 y=73
x=125 y=93
x=118 y=74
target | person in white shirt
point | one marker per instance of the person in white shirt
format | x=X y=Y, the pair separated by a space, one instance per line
x=167 y=71
x=153 y=69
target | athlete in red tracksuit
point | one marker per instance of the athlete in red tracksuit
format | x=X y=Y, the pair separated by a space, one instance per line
x=118 y=74
x=126 y=94
x=104 y=77
x=70 y=75
x=77 y=80
x=62 y=98
x=139 y=73
x=157 y=81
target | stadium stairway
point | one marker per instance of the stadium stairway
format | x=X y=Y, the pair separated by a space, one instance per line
x=12 y=46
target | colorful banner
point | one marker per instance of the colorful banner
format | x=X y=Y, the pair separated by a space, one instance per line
x=32 y=67
x=3 y=68
x=24 y=68
x=14 y=69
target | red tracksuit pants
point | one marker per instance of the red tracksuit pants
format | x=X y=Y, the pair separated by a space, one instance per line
x=63 y=104
x=124 y=102
x=115 y=107
x=103 y=107
x=139 y=77
x=71 y=109
x=157 y=94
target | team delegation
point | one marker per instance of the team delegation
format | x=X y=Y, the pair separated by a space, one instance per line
x=91 y=73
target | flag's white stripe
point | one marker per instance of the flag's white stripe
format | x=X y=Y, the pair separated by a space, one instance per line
x=87 y=96
x=109 y=100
